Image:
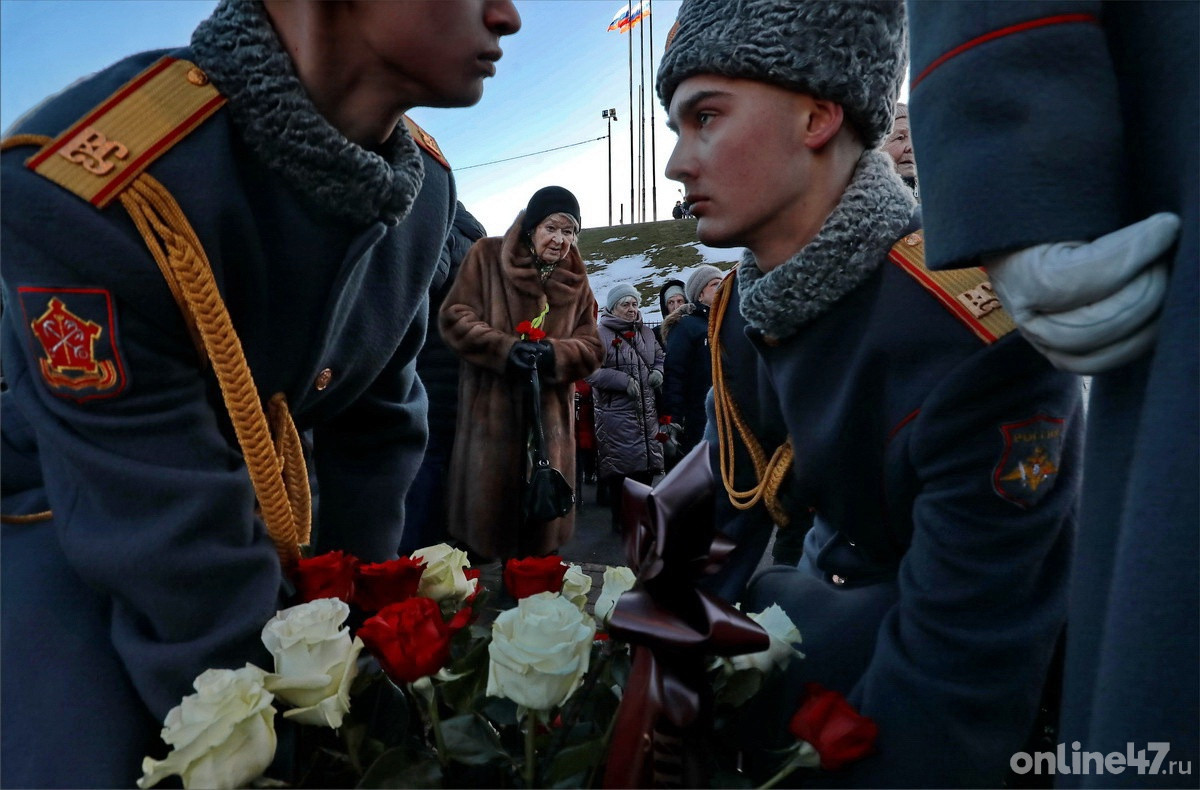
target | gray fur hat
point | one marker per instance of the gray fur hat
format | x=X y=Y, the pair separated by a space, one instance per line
x=854 y=53
x=700 y=278
x=619 y=292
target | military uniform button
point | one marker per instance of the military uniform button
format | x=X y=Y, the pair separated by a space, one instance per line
x=323 y=379
x=197 y=76
x=838 y=580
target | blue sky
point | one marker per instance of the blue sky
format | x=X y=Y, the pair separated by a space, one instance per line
x=557 y=75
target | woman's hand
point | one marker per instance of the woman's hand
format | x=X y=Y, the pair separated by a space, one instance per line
x=633 y=389
x=526 y=355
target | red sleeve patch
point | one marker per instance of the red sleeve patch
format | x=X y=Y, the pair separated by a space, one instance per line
x=73 y=338
x=1028 y=466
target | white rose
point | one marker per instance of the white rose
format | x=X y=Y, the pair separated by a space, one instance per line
x=617 y=580
x=783 y=634
x=222 y=736
x=539 y=651
x=576 y=585
x=443 y=579
x=315 y=661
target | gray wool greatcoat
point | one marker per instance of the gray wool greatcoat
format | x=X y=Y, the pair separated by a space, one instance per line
x=626 y=427
x=1092 y=115
x=497 y=288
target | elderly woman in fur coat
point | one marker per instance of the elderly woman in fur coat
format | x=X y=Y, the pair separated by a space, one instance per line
x=534 y=270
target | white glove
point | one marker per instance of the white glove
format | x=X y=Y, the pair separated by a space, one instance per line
x=1088 y=307
x=633 y=389
x=656 y=378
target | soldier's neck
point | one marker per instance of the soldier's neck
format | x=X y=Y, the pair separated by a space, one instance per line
x=362 y=104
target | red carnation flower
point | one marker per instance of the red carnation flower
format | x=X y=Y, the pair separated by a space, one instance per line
x=527 y=331
x=330 y=575
x=381 y=583
x=410 y=639
x=628 y=335
x=533 y=575
x=662 y=437
x=616 y=341
x=834 y=728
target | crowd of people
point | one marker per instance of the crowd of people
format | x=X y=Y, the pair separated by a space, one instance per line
x=277 y=330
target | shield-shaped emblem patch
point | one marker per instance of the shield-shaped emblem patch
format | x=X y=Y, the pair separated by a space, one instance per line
x=73 y=338
x=1028 y=465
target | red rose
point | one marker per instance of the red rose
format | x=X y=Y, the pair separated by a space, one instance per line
x=331 y=575
x=536 y=334
x=835 y=729
x=468 y=574
x=524 y=328
x=381 y=583
x=533 y=575
x=410 y=639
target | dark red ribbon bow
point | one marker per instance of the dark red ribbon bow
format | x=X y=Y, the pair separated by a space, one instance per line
x=671 y=543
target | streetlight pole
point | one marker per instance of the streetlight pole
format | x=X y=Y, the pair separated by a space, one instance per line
x=611 y=115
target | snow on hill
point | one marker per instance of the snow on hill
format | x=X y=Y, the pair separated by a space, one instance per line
x=647 y=255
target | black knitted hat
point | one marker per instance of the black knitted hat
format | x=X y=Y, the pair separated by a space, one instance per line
x=547 y=201
x=853 y=53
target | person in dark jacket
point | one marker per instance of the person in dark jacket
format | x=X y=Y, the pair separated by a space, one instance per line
x=689 y=361
x=1088 y=228
x=937 y=450
x=279 y=216
x=670 y=299
x=437 y=365
x=627 y=424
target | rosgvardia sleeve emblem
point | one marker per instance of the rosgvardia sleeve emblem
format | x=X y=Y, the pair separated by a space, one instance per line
x=73 y=339
x=1028 y=465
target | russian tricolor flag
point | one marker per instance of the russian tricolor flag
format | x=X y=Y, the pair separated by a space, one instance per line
x=628 y=16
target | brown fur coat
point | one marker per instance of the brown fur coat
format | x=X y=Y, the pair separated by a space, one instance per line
x=497 y=288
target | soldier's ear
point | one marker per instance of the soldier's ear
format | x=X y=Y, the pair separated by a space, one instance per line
x=822 y=120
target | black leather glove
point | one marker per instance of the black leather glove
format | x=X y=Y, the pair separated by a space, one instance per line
x=545 y=360
x=525 y=355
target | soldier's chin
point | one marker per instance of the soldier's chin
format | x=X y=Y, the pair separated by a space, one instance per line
x=712 y=234
x=463 y=94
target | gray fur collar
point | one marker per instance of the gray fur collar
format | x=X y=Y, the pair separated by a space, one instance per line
x=238 y=48
x=874 y=210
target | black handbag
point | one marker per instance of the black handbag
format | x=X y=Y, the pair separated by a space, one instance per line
x=548 y=495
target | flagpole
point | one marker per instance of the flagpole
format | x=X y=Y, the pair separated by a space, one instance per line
x=632 y=182
x=653 y=97
x=642 y=111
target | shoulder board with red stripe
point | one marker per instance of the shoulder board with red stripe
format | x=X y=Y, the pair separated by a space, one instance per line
x=966 y=293
x=103 y=152
x=426 y=141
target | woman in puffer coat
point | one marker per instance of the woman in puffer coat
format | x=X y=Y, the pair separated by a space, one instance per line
x=627 y=429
